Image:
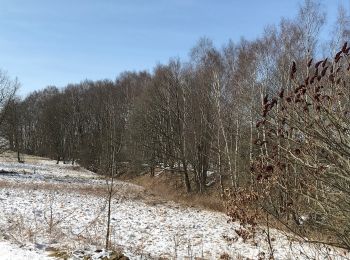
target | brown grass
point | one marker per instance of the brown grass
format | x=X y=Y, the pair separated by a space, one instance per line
x=92 y=190
x=169 y=187
x=10 y=156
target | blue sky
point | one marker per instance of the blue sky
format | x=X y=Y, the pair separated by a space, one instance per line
x=46 y=42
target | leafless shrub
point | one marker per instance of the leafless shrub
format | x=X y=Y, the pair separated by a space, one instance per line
x=304 y=172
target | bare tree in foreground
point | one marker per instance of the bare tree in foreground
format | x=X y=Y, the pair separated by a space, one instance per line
x=114 y=124
x=305 y=177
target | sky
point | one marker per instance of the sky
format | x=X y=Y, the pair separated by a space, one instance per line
x=47 y=42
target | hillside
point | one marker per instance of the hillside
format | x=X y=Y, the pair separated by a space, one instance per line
x=60 y=210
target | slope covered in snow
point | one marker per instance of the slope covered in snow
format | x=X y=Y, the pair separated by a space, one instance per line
x=45 y=205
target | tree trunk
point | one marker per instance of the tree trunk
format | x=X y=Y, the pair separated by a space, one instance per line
x=187 y=179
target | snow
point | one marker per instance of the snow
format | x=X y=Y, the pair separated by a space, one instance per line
x=10 y=251
x=45 y=205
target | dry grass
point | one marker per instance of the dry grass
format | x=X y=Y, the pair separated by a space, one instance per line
x=169 y=187
x=92 y=190
x=12 y=157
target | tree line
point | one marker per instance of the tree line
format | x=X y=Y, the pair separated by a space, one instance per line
x=265 y=115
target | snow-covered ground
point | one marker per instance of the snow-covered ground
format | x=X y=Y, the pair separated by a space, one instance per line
x=46 y=206
x=10 y=251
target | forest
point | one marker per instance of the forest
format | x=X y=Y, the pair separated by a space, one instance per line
x=270 y=117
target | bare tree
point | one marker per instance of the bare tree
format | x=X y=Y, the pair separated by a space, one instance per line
x=308 y=142
x=8 y=88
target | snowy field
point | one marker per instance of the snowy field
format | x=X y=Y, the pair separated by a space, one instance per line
x=48 y=208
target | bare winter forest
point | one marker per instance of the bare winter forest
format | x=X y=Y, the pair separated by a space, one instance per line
x=245 y=149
